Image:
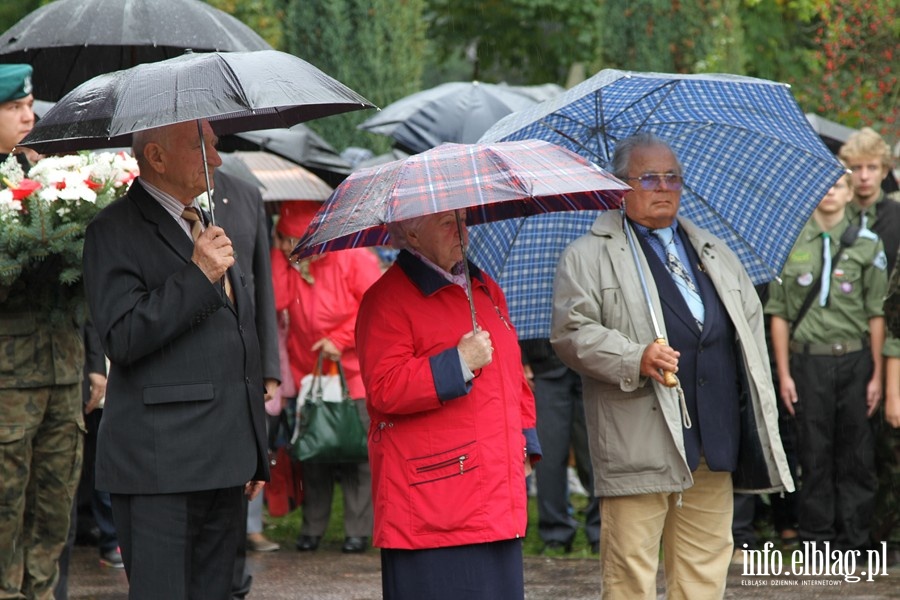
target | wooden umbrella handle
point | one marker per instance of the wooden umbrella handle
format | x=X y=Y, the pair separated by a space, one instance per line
x=668 y=376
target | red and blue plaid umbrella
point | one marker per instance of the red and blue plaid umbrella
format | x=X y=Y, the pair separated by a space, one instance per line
x=492 y=181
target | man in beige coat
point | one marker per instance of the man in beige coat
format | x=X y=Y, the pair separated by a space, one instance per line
x=666 y=460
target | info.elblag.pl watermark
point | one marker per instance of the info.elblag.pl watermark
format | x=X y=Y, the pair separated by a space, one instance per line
x=815 y=561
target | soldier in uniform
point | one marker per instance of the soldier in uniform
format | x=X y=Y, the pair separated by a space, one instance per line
x=829 y=364
x=41 y=425
x=868 y=157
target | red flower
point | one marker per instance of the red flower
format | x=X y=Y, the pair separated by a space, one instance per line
x=25 y=189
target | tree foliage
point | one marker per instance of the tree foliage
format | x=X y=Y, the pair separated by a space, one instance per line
x=373 y=46
x=855 y=67
x=672 y=36
x=516 y=41
x=263 y=16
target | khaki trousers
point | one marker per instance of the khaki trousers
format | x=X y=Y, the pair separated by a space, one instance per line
x=695 y=535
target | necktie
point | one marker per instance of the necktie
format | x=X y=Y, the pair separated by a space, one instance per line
x=826 y=269
x=192 y=216
x=863 y=220
x=680 y=275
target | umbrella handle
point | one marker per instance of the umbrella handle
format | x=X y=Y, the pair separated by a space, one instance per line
x=668 y=376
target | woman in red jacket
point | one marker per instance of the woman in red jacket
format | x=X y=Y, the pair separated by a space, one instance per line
x=321 y=296
x=452 y=422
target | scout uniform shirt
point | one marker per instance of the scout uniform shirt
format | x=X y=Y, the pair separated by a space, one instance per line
x=857 y=287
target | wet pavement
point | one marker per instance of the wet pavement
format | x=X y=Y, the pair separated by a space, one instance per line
x=330 y=575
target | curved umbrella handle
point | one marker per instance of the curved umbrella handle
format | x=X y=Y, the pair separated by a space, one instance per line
x=668 y=376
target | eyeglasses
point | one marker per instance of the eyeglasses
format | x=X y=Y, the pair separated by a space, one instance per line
x=654 y=181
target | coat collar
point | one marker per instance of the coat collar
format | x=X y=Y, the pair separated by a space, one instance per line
x=425 y=278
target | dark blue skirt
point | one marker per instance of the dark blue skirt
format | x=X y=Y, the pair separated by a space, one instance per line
x=491 y=571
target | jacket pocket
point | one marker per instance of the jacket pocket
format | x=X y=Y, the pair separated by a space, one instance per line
x=18 y=344
x=444 y=490
x=183 y=392
x=634 y=434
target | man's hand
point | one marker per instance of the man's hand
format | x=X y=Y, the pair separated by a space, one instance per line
x=98 y=391
x=892 y=409
x=213 y=253
x=253 y=488
x=476 y=349
x=271 y=387
x=788 y=393
x=659 y=357
x=873 y=395
x=529 y=377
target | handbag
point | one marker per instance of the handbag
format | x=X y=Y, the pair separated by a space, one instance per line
x=328 y=431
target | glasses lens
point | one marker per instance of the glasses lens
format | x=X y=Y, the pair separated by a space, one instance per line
x=654 y=181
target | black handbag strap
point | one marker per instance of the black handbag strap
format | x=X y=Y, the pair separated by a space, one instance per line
x=847 y=240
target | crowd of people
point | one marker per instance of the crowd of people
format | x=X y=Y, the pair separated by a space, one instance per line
x=202 y=329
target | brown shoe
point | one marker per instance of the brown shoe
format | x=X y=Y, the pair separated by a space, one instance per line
x=257 y=542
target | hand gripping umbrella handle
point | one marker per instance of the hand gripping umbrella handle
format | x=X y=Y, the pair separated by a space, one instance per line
x=668 y=376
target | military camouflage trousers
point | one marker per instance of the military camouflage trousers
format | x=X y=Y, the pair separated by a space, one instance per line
x=41 y=439
x=886 y=522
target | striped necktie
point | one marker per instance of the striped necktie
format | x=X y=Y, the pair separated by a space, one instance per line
x=680 y=275
x=192 y=216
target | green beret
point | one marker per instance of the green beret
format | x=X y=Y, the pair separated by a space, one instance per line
x=15 y=82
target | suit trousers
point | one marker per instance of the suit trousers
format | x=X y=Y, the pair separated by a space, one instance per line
x=561 y=426
x=694 y=527
x=356 y=484
x=180 y=546
x=836 y=445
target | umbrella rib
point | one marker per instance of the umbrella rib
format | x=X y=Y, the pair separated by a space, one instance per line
x=735 y=232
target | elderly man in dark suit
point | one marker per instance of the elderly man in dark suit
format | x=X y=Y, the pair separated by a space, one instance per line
x=183 y=434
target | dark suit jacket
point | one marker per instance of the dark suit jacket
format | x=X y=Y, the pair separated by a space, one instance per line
x=240 y=212
x=184 y=405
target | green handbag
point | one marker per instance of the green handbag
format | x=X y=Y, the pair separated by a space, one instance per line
x=329 y=431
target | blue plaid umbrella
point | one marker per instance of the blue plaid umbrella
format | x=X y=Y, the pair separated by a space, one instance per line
x=754 y=169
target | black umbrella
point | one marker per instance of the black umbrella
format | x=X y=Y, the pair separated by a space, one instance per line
x=458 y=111
x=235 y=91
x=70 y=41
x=299 y=144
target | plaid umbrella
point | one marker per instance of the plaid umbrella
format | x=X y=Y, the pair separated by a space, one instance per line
x=493 y=181
x=754 y=168
x=521 y=255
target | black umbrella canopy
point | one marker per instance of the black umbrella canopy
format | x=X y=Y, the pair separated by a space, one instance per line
x=458 y=111
x=235 y=91
x=299 y=144
x=70 y=41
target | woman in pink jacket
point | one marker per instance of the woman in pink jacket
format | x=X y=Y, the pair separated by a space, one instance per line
x=452 y=423
x=321 y=296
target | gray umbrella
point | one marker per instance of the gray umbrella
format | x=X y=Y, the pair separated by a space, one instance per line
x=281 y=179
x=299 y=144
x=70 y=41
x=235 y=91
x=459 y=112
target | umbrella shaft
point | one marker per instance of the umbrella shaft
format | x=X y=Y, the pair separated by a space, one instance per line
x=465 y=261
x=212 y=205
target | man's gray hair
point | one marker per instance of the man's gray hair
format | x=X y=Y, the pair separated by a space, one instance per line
x=624 y=148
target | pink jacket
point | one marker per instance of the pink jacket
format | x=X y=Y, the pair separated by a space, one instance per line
x=327 y=308
x=447 y=456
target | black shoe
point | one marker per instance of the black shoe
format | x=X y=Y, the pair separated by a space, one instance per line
x=307 y=543
x=355 y=545
x=556 y=547
x=595 y=547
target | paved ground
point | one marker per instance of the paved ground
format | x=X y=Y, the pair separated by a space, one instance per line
x=329 y=575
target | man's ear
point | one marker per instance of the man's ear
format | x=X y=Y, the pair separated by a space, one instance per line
x=153 y=155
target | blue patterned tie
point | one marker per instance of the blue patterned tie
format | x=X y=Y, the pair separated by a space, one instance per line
x=680 y=275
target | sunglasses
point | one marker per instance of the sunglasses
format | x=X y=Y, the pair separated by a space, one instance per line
x=655 y=181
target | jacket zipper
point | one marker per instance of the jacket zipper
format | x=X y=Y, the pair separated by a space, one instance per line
x=444 y=463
